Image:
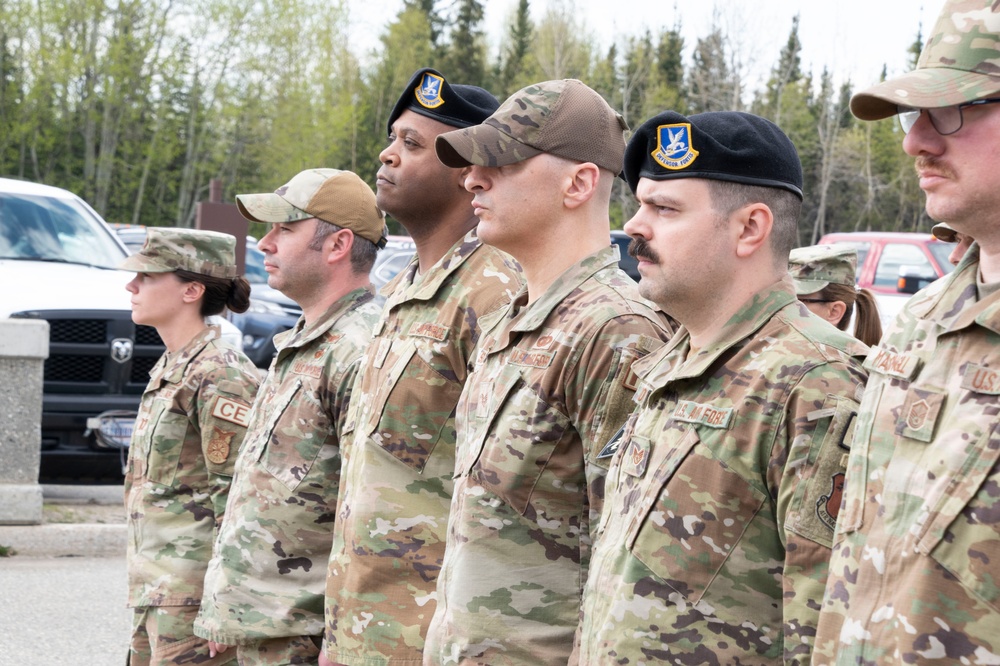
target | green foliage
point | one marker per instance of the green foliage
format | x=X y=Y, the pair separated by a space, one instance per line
x=138 y=104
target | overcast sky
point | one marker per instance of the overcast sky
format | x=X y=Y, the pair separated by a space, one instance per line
x=852 y=38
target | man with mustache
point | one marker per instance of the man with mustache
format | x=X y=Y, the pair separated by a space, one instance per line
x=719 y=509
x=913 y=577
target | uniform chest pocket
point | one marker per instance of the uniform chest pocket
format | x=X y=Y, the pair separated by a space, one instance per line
x=412 y=407
x=296 y=431
x=962 y=529
x=166 y=443
x=516 y=443
x=694 y=514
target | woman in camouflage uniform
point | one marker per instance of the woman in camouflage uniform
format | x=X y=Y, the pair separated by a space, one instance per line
x=825 y=283
x=189 y=427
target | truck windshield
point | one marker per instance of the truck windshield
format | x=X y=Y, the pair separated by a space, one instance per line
x=44 y=228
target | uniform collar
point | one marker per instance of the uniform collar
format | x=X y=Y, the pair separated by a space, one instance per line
x=522 y=316
x=409 y=286
x=175 y=364
x=953 y=301
x=671 y=362
x=301 y=335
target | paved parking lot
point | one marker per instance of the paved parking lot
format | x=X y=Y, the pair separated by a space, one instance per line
x=66 y=609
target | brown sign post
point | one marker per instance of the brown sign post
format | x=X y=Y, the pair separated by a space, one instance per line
x=213 y=215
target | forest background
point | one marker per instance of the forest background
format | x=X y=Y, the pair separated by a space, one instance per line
x=136 y=105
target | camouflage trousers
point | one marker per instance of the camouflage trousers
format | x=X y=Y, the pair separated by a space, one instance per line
x=284 y=651
x=164 y=636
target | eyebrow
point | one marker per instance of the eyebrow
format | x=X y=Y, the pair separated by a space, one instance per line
x=657 y=199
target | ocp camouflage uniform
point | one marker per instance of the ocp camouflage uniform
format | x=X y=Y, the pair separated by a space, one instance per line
x=553 y=381
x=913 y=577
x=268 y=576
x=723 y=494
x=390 y=533
x=190 y=424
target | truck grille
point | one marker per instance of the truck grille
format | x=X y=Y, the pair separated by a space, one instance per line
x=80 y=352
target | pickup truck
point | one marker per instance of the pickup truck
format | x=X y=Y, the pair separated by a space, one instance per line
x=884 y=257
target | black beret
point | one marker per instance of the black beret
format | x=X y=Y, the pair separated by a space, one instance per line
x=718 y=145
x=430 y=95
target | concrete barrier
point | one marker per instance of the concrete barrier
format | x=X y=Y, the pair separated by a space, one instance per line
x=24 y=346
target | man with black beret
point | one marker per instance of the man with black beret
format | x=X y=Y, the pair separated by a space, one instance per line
x=724 y=484
x=389 y=535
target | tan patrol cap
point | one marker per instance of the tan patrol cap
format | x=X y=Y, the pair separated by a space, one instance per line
x=944 y=233
x=167 y=250
x=334 y=196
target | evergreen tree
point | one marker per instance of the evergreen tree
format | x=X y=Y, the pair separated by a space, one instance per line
x=515 y=52
x=465 y=60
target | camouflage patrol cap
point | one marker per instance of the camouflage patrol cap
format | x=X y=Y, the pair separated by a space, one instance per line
x=334 y=196
x=429 y=94
x=959 y=63
x=166 y=250
x=717 y=145
x=813 y=268
x=564 y=118
x=945 y=233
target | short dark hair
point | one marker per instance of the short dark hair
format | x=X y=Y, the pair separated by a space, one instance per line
x=363 y=251
x=785 y=207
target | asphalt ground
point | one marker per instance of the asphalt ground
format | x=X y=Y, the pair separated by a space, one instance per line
x=63 y=591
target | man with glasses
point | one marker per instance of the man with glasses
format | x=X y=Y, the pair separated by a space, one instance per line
x=913 y=576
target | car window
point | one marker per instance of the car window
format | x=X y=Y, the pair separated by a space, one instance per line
x=895 y=255
x=51 y=229
x=388 y=265
x=941 y=252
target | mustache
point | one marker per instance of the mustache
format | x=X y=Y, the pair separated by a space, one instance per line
x=639 y=249
x=933 y=164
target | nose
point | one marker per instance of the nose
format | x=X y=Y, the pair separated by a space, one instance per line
x=477 y=179
x=637 y=225
x=133 y=285
x=266 y=244
x=922 y=139
x=389 y=155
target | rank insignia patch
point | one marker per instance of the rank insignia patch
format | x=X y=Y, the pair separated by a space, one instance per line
x=673 y=146
x=428 y=93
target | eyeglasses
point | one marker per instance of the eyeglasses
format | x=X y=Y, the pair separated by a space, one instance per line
x=815 y=300
x=945 y=120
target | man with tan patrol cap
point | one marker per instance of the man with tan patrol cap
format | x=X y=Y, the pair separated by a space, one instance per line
x=914 y=572
x=551 y=384
x=265 y=584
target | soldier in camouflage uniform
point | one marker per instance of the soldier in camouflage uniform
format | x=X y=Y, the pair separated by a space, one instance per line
x=724 y=486
x=264 y=588
x=913 y=577
x=191 y=421
x=389 y=536
x=552 y=380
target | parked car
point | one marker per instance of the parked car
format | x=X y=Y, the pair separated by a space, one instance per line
x=885 y=257
x=58 y=260
x=626 y=262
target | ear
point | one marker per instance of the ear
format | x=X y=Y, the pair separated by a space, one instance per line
x=583 y=182
x=755 y=222
x=337 y=246
x=192 y=292
x=837 y=310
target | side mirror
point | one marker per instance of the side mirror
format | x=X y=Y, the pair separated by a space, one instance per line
x=912 y=279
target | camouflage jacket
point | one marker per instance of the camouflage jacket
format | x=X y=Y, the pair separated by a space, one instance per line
x=723 y=493
x=552 y=383
x=391 y=521
x=190 y=424
x=912 y=578
x=268 y=574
